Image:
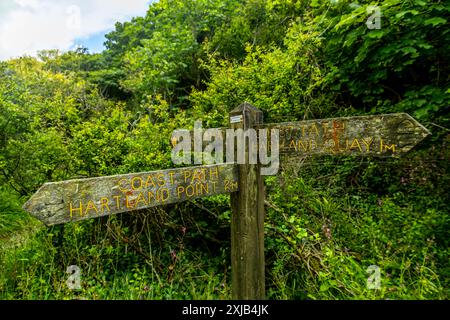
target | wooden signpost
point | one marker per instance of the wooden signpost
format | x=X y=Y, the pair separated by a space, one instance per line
x=387 y=135
x=379 y=135
x=72 y=200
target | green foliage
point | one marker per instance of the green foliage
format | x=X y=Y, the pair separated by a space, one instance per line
x=156 y=67
x=118 y=257
x=332 y=240
x=12 y=218
x=255 y=23
x=281 y=82
x=379 y=69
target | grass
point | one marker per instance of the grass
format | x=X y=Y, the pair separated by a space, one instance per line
x=318 y=246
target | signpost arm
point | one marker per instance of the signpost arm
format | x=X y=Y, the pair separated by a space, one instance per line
x=247 y=221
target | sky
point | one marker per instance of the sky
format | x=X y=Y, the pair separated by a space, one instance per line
x=27 y=26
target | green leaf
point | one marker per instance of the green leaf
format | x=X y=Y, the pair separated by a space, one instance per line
x=435 y=21
x=315 y=3
x=420 y=3
x=324 y=287
x=410 y=50
x=425 y=45
x=376 y=34
x=401 y=14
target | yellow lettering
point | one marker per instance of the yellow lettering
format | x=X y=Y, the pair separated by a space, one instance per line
x=293 y=145
x=205 y=188
x=201 y=188
x=204 y=173
x=103 y=204
x=90 y=206
x=227 y=185
x=180 y=191
x=151 y=195
x=314 y=128
x=133 y=186
x=197 y=175
x=385 y=147
x=338 y=126
x=355 y=144
x=187 y=174
x=191 y=188
x=163 y=194
x=79 y=209
x=301 y=144
x=128 y=204
x=325 y=131
x=171 y=177
x=367 y=143
x=303 y=131
x=197 y=189
x=214 y=172
x=337 y=146
x=161 y=180
x=392 y=147
x=117 y=201
x=140 y=198
x=150 y=182
x=120 y=184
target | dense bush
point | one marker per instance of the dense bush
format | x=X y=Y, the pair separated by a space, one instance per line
x=75 y=114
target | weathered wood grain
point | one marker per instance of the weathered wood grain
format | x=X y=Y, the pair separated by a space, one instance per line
x=388 y=135
x=379 y=135
x=247 y=220
x=72 y=200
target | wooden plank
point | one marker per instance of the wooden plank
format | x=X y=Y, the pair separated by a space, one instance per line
x=388 y=135
x=247 y=220
x=72 y=200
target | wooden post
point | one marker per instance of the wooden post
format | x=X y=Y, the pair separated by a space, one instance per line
x=247 y=221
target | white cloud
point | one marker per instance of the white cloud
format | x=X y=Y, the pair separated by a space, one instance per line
x=27 y=26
